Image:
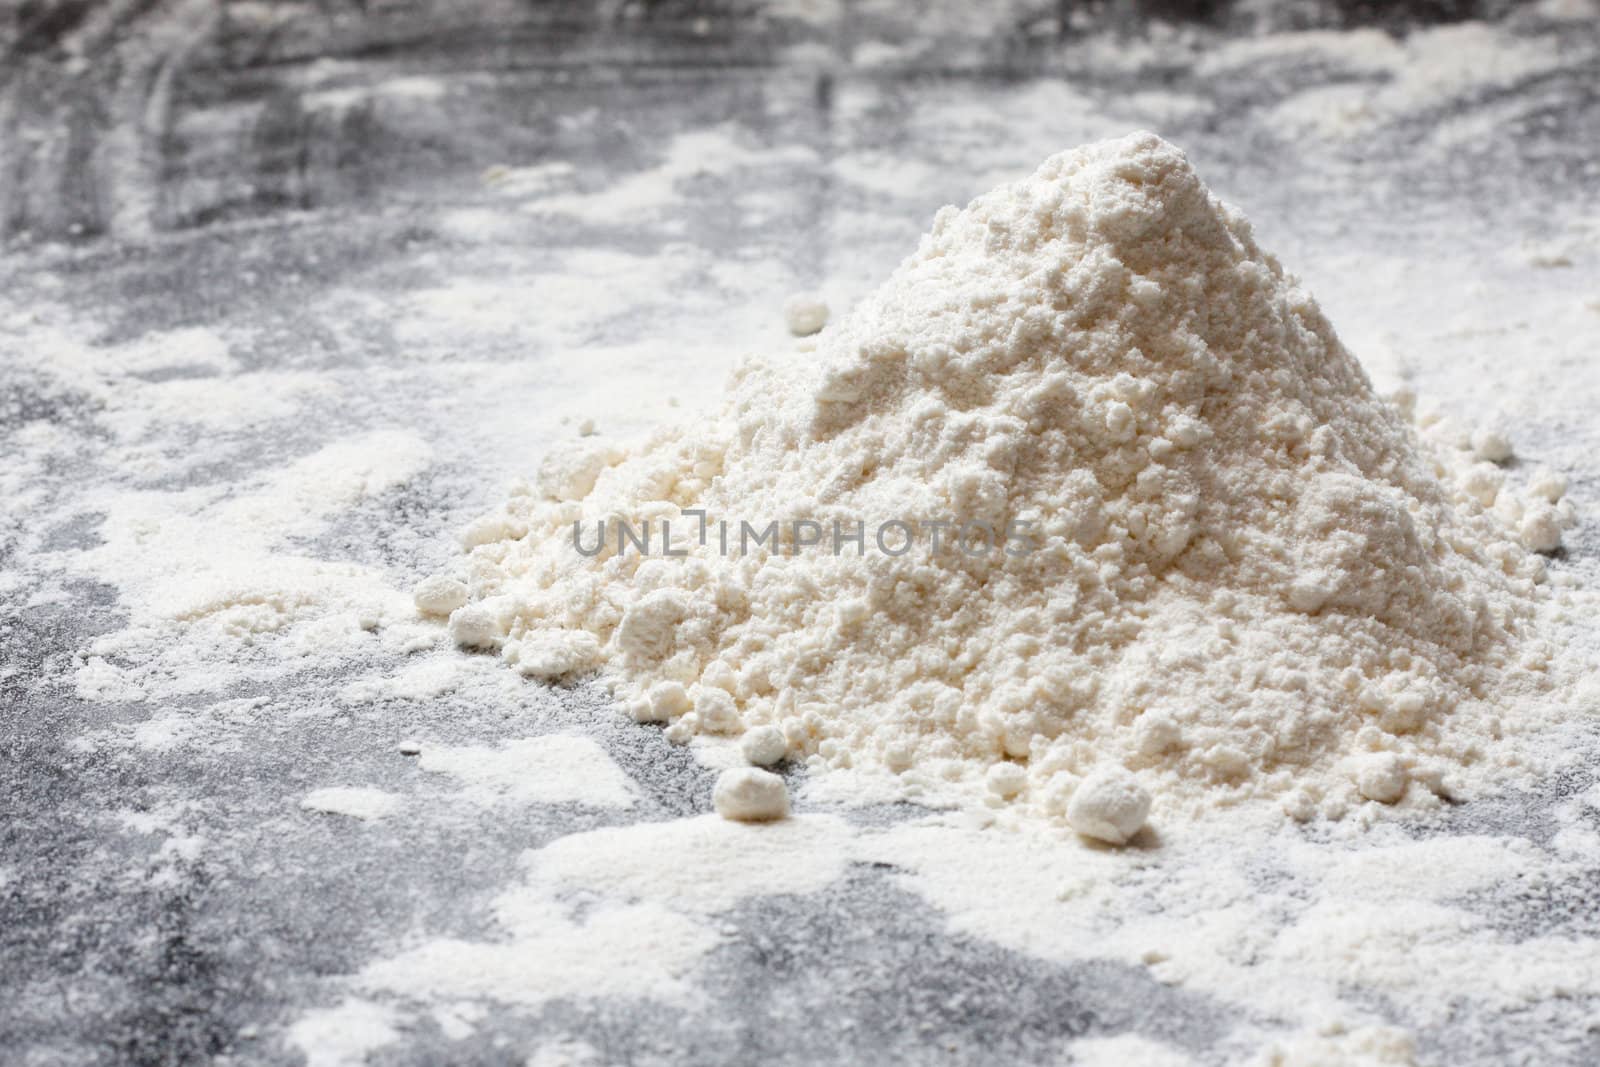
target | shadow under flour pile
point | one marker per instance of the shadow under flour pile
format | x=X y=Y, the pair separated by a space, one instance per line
x=1238 y=571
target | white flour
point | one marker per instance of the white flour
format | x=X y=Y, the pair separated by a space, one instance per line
x=552 y=769
x=344 y=1034
x=1250 y=576
x=356 y=802
x=246 y=610
x=1342 y=920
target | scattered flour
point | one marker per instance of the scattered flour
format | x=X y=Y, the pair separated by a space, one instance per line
x=566 y=1053
x=1431 y=71
x=357 y=802
x=1303 y=931
x=553 y=953
x=696 y=154
x=656 y=891
x=1249 y=577
x=342 y=1036
x=210 y=569
x=1336 y=1046
x=553 y=769
x=1126 y=1049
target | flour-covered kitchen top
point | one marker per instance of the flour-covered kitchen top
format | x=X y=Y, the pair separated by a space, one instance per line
x=289 y=295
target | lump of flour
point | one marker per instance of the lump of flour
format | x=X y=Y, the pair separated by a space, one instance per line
x=1109 y=805
x=1237 y=572
x=746 y=794
x=805 y=314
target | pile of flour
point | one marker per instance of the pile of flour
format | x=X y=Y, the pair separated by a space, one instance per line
x=1247 y=574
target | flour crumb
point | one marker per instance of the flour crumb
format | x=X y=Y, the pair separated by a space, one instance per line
x=1109 y=805
x=764 y=745
x=1541 y=527
x=475 y=626
x=1548 y=486
x=745 y=794
x=1381 y=777
x=1492 y=446
x=1006 y=780
x=805 y=314
x=439 y=595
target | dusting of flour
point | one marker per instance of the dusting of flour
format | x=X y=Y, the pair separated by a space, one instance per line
x=231 y=521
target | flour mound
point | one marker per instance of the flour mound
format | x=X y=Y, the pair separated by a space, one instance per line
x=1250 y=575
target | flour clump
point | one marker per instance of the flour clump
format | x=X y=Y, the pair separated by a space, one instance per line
x=1110 y=805
x=763 y=746
x=805 y=314
x=745 y=794
x=1088 y=485
x=440 y=595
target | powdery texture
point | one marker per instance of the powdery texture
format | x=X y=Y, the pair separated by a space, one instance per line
x=1253 y=576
